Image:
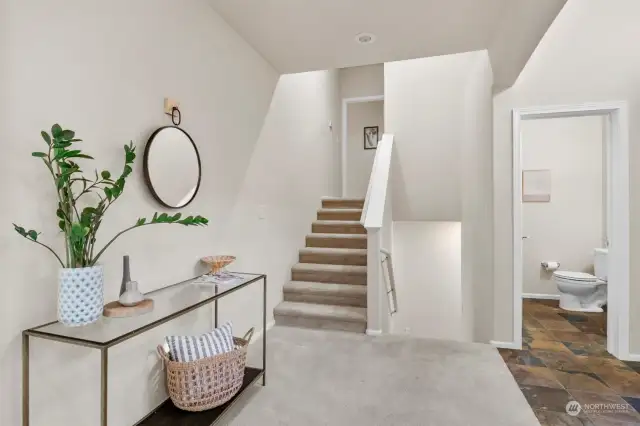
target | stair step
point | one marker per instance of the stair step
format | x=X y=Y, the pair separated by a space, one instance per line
x=334 y=256
x=338 y=227
x=339 y=274
x=339 y=214
x=342 y=203
x=311 y=315
x=325 y=293
x=353 y=241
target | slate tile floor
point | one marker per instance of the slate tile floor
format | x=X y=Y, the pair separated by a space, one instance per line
x=564 y=358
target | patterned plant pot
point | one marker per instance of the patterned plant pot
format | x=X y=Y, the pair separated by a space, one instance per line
x=80 y=295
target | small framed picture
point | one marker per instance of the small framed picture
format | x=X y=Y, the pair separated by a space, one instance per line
x=371 y=137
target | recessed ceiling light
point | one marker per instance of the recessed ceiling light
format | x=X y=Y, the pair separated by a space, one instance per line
x=365 y=38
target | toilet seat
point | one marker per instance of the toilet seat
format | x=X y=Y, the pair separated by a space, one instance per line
x=575 y=276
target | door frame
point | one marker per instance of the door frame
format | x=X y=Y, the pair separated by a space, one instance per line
x=617 y=204
x=345 y=133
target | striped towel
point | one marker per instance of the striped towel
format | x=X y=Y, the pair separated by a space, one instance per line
x=192 y=348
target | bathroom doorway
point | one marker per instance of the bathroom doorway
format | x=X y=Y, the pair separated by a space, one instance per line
x=571 y=211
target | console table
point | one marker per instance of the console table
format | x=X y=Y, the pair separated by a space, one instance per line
x=108 y=332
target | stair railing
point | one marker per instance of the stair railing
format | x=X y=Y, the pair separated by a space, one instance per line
x=390 y=281
x=376 y=218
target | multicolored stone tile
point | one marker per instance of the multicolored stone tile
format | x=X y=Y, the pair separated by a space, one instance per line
x=511 y=356
x=551 y=418
x=573 y=317
x=546 y=399
x=546 y=345
x=588 y=349
x=571 y=336
x=527 y=375
x=564 y=361
x=635 y=366
x=599 y=339
x=547 y=315
x=589 y=327
x=559 y=325
x=598 y=364
x=625 y=383
x=634 y=402
x=529 y=323
x=581 y=380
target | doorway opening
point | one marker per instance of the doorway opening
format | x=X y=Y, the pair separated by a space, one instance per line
x=362 y=129
x=571 y=190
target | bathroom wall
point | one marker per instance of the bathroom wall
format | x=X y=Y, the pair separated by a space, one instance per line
x=360 y=160
x=570 y=226
x=427 y=265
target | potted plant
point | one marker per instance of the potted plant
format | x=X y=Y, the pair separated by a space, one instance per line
x=80 y=291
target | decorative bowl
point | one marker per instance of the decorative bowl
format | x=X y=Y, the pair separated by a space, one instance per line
x=217 y=263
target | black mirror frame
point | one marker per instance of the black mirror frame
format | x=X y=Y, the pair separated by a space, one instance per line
x=147 y=176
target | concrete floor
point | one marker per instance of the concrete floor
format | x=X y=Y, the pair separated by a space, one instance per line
x=331 y=378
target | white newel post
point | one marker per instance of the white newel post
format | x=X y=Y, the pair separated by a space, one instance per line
x=374 y=282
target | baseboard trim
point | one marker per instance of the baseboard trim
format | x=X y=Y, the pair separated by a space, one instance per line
x=540 y=296
x=370 y=332
x=256 y=337
x=632 y=357
x=504 y=345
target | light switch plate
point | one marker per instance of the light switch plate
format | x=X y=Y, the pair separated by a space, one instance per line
x=169 y=104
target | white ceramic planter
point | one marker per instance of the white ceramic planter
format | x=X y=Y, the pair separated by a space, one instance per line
x=80 y=295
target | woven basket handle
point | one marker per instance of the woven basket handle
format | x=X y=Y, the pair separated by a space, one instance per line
x=249 y=334
x=163 y=354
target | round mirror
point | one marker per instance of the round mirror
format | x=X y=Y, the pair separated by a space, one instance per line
x=172 y=167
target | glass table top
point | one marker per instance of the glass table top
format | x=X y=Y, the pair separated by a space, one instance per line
x=169 y=302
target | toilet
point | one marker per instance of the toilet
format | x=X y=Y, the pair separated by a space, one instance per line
x=584 y=292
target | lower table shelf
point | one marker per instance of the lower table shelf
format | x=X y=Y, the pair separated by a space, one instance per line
x=168 y=415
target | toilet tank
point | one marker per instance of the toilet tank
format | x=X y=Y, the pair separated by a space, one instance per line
x=600 y=263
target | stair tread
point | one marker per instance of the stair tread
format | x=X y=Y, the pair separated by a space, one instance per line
x=332 y=312
x=349 y=210
x=337 y=222
x=310 y=287
x=322 y=267
x=331 y=250
x=354 y=236
x=329 y=198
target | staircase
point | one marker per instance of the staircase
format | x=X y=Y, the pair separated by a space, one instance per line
x=328 y=288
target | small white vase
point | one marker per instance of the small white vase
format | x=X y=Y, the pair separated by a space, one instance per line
x=80 y=295
x=132 y=295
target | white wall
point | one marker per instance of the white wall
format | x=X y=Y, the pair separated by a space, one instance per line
x=427 y=261
x=424 y=104
x=357 y=82
x=569 y=227
x=476 y=200
x=584 y=57
x=440 y=111
x=108 y=85
x=360 y=160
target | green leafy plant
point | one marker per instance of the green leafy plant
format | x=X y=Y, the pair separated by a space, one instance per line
x=80 y=222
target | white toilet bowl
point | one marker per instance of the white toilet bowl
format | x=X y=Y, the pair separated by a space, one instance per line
x=580 y=291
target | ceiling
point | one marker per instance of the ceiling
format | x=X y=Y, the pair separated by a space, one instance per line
x=306 y=35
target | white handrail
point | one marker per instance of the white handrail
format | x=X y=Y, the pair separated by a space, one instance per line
x=391 y=283
x=374 y=202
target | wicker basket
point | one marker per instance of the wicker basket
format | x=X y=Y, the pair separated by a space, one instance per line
x=209 y=382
